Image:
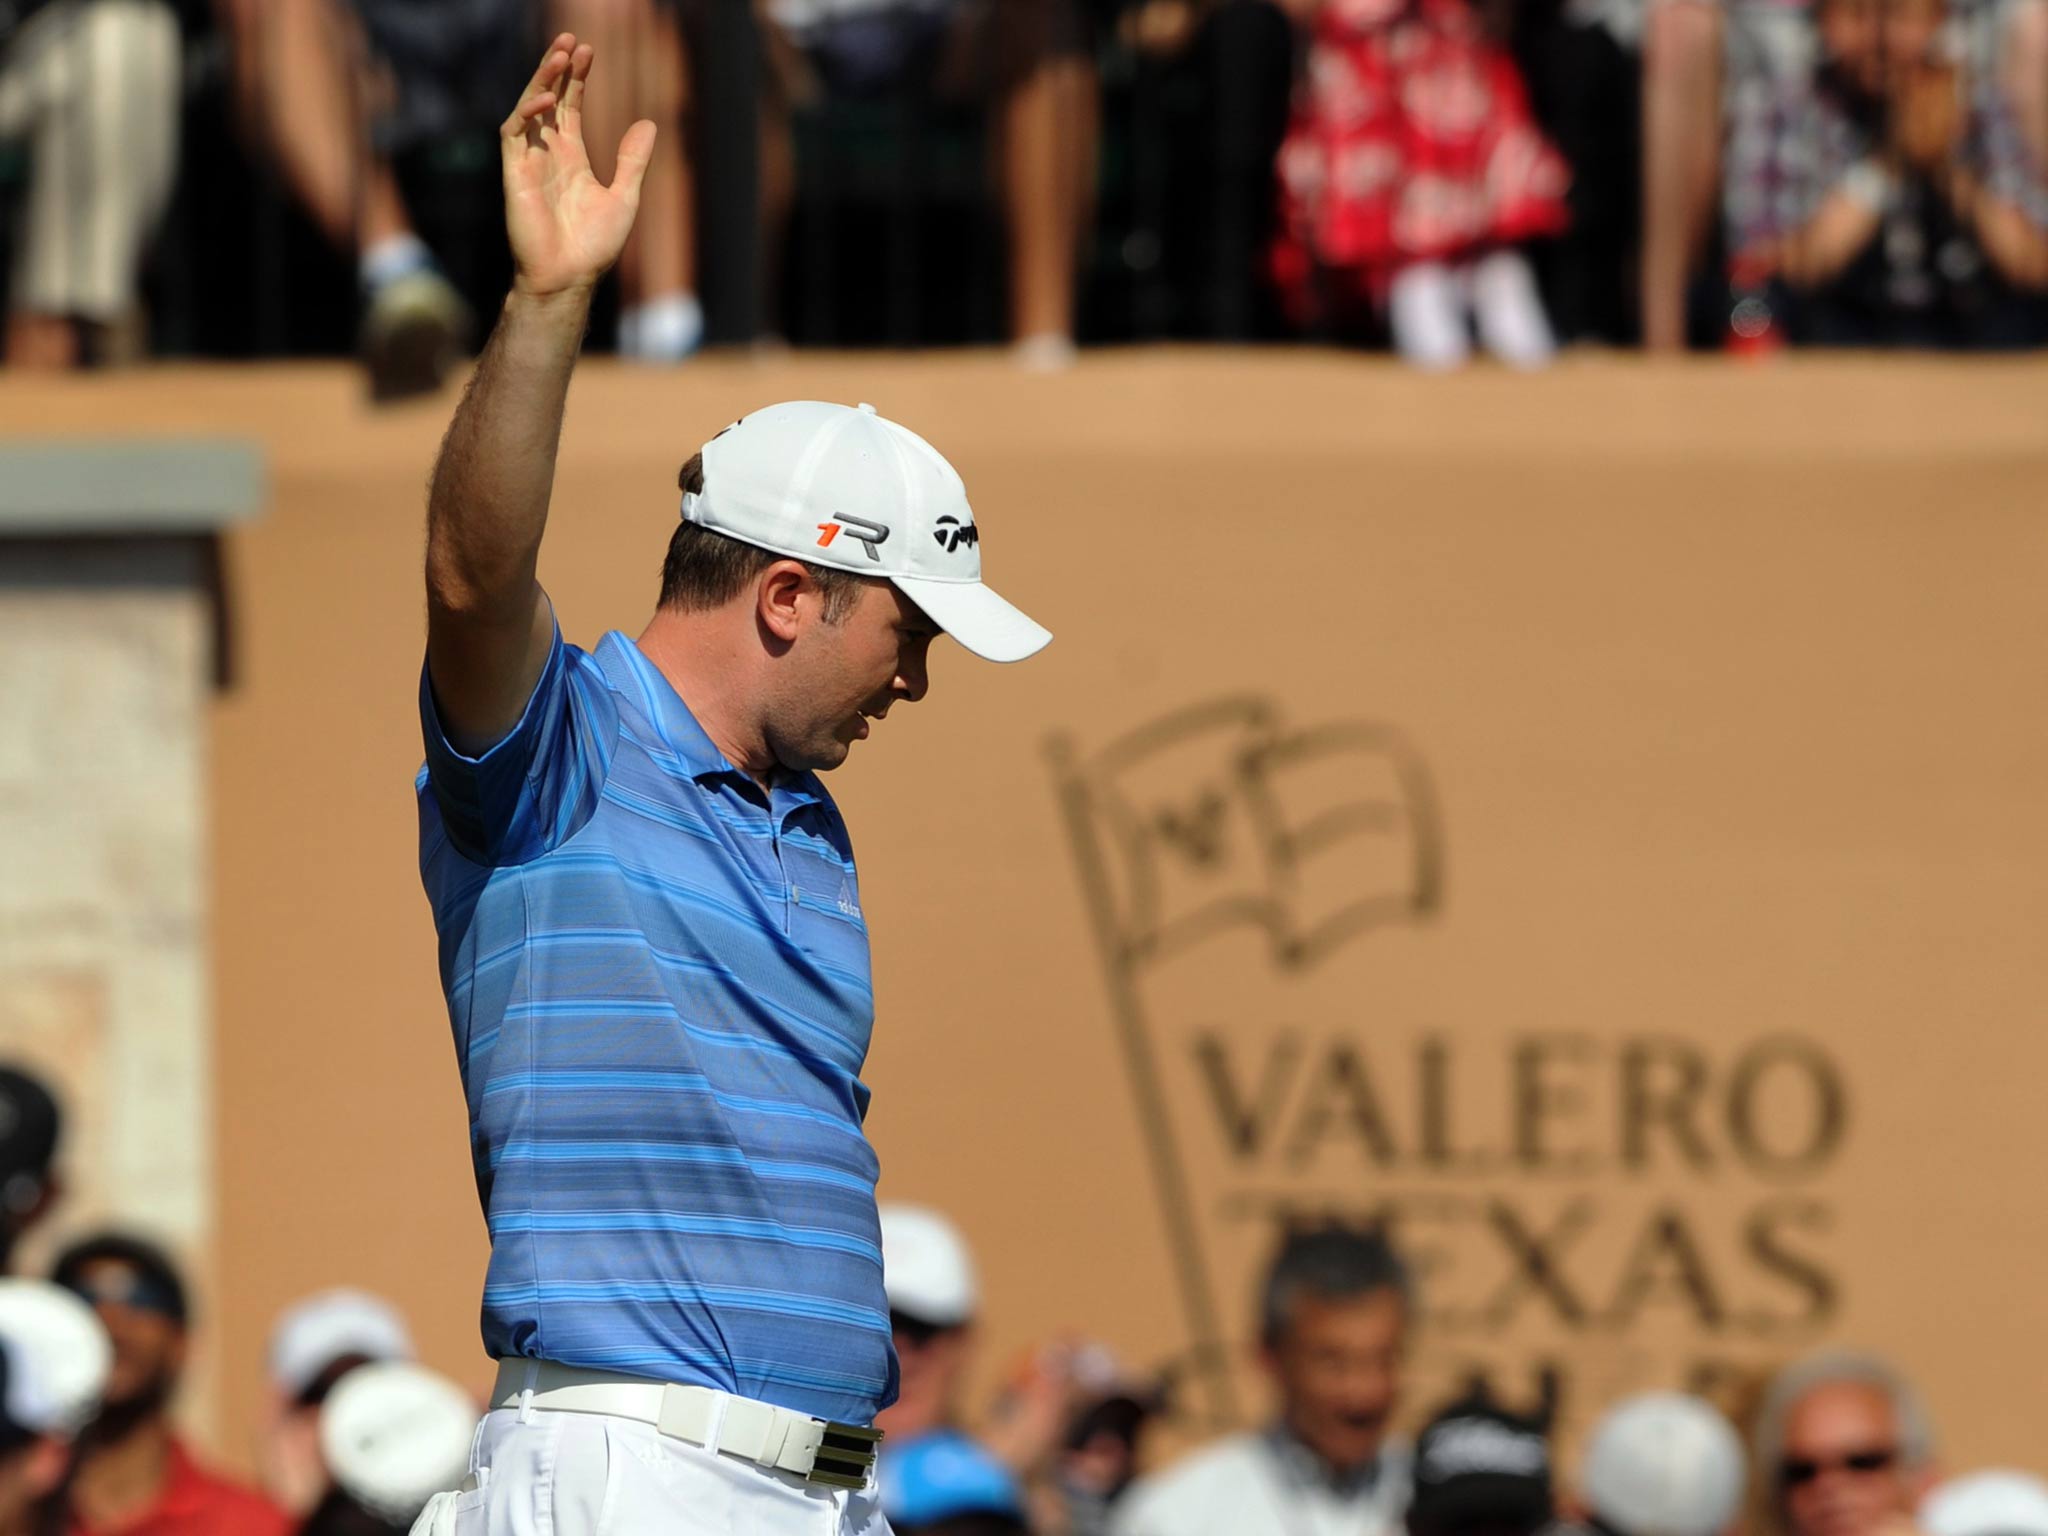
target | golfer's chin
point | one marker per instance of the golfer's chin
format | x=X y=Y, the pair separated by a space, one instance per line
x=818 y=756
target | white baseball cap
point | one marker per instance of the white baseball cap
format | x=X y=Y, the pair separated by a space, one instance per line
x=394 y=1434
x=312 y=1334
x=1664 y=1464
x=927 y=1272
x=839 y=486
x=1987 y=1504
x=58 y=1357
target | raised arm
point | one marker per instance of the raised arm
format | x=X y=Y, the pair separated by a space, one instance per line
x=489 y=624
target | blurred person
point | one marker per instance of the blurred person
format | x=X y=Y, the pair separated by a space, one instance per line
x=54 y=1359
x=1995 y=1503
x=934 y=1292
x=1844 y=1448
x=1481 y=1470
x=453 y=59
x=1333 y=1329
x=939 y=1478
x=660 y=317
x=33 y=1454
x=1662 y=1464
x=92 y=86
x=305 y=73
x=1893 y=200
x=1411 y=178
x=930 y=1467
x=1219 y=74
x=2016 y=48
x=1582 y=63
x=30 y=1128
x=1682 y=128
x=1717 y=75
x=313 y=1345
x=1030 y=59
x=300 y=69
x=1099 y=1459
x=639 y=834
x=134 y=1474
x=394 y=1434
x=981 y=1523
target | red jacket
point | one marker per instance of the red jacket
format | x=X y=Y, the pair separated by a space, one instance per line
x=195 y=1502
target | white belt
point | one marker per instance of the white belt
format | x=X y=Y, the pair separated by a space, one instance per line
x=817 y=1450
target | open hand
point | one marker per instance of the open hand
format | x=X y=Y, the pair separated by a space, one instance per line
x=566 y=226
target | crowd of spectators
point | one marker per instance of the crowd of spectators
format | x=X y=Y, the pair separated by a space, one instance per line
x=1509 y=174
x=358 y=1436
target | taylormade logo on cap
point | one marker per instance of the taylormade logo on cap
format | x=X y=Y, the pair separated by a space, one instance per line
x=840 y=486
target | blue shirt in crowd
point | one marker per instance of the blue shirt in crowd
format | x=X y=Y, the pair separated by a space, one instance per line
x=658 y=980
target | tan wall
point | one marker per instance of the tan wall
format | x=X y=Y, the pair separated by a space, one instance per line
x=1638 y=774
x=105 y=944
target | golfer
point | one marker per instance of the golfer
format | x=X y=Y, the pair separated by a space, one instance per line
x=650 y=924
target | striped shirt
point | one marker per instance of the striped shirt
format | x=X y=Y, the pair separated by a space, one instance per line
x=658 y=980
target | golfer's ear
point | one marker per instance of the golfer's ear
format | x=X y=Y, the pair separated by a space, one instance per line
x=777 y=597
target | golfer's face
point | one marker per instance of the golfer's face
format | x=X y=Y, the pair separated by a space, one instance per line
x=856 y=671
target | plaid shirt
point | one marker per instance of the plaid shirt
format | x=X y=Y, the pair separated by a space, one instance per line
x=1791 y=141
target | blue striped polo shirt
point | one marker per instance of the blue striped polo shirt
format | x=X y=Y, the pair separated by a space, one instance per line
x=658 y=980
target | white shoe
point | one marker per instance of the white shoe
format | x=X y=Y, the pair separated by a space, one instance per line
x=1512 y=324
x=1047 y=352
x=1426 y=312
x=663 y=330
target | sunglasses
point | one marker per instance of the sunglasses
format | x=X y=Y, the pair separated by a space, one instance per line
x=914 y=1331
x=1794 y=1471
x=136 y=1292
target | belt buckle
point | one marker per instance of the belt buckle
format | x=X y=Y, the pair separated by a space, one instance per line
x=846 y=1454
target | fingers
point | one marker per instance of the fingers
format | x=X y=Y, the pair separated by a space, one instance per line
x=551 y=62
x=635 y=150
x=526 y=113
x=579 y=73
x=543 y=90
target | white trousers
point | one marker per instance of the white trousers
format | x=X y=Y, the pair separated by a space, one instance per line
x=92 y=85
x=588 y=1474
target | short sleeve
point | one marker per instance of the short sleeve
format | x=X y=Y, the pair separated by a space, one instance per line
x=1145 y=1510
x=534 y=790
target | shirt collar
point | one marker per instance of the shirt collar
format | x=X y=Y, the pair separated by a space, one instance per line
x=1305 y=1468
x=641 y=679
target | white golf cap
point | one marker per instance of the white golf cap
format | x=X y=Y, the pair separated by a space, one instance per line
x=839 y=486
x=312 y=1334
x=926 y=1270
x=395 y=1434
x=58 y=1357
x=1664 y=1464
x=1987 y=1504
